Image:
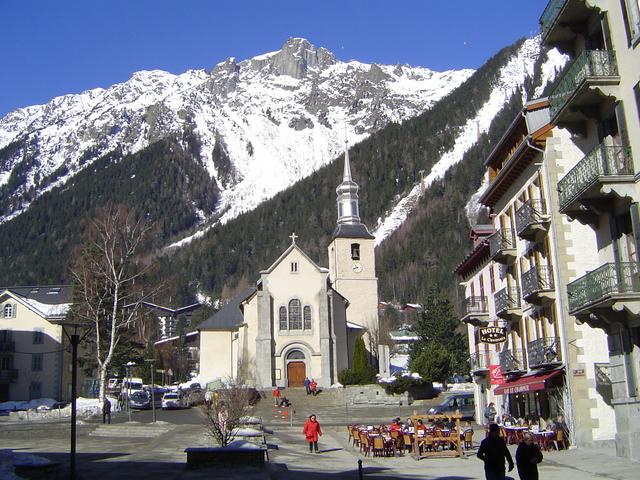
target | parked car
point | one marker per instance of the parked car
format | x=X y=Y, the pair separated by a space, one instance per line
x=140 y=399
x=173 y=400
x=463 y=402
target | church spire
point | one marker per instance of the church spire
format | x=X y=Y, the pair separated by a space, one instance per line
x=348 y=208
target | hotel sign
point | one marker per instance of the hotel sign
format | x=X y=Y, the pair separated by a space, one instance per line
x=493 y=334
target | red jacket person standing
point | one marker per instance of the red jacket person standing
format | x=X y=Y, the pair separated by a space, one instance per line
x=311 y=432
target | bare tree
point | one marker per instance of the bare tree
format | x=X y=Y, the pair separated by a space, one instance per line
x=106 y=267
x=224 y=414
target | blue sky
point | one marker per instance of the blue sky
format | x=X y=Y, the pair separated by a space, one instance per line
x=52 y=48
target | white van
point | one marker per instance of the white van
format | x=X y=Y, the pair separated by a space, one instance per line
x=132 y=384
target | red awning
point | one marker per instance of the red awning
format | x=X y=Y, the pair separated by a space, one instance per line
x=527 y=383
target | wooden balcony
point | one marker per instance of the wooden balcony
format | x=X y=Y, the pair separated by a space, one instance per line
x=475 y=310
x=606 y=172
x=588 y=85
x=502 y=246
x=512 y=362
x=610 y=293
x=544 y=352
x=562 y=21
x=508 y=303
x=532 y=220
x=537 y=285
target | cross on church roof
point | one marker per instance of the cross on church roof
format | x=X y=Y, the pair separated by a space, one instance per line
x=293 y=237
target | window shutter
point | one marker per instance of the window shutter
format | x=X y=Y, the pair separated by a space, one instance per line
x=14 y=310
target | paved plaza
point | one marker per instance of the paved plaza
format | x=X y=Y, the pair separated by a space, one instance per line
x=120 y=455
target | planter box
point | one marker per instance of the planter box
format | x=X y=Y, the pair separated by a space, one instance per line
x=205 y=457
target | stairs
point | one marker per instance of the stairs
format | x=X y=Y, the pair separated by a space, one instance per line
x=124 y=430
x=326 y=398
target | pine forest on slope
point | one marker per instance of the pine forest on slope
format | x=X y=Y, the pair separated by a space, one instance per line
x=421 y=253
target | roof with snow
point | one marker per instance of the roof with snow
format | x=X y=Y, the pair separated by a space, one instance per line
x=46 y=300
x=230 y=317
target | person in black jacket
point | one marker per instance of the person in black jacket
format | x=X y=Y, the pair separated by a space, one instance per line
x=528 y=456
x=493 y=451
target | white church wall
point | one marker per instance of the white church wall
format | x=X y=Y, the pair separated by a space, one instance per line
x=216 y=355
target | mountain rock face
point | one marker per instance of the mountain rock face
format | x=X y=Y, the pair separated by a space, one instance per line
x=258 y=125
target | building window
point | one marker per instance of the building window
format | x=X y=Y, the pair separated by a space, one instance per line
x=36 y=362
x=7 y=311
x=295 y=315
x=355 y=251
x=282 y=317
x=632 y=18
x=294 y=267
x=6 y=363
x=35 y=390
x=38 y=337
x=307 y=317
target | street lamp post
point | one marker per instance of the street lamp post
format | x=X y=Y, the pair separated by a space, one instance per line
x=151 y=362
x=128 y=367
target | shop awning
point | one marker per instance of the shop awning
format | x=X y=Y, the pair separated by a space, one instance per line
x=528 y=383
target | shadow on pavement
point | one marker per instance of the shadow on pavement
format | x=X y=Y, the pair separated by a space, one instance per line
x=368 y=472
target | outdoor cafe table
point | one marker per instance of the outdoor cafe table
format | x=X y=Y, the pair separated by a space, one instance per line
x=543 y=438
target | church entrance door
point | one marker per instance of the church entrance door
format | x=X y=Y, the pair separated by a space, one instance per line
x=296 y=372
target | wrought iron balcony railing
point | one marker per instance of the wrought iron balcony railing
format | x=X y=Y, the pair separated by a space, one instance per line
x=475 y=305
x=609 y=279
x=590 y=63
x=530 y=213
x=554 y=7
x=8 y=376
x=544 y=352
x=501 y=240
x=479 y=361
x=507 y=299
x=512 y=361
x=602 y=161
x=7 y=346
x=537 y=279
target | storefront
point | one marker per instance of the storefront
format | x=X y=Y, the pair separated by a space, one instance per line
x=533 y=396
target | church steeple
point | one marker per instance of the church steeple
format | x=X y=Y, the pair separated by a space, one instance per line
x=348 y=207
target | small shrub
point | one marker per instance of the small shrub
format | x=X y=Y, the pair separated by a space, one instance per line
x=350 y=376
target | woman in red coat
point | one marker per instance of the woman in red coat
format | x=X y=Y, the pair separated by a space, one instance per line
x=312 y=432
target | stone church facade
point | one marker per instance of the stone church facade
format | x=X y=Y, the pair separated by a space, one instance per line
x=301 y=319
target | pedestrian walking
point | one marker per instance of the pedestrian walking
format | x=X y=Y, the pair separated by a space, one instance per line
x=493 y=452
x=276 y=396
x=528 y=456
x=311 y=432
x=307 y=385
x=106 y=410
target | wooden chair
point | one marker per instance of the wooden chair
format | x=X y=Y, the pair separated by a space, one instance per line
x=560 y=439
x=406 y=440
x=468 y=439
x=397 y=440
x=365 y=445
x=426 y=444
x=378 y=447
x=351 y=438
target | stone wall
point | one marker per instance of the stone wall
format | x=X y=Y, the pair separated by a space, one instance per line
x=363 y=395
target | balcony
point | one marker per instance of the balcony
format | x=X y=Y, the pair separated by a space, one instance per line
x=562 y=20
x=537 y=285
x=532 y=220
x=502 y=246
x=604 y=172
x=8 y=376
x=512 y=361
x=475 y=310
x=508 y=303
x=584 y=87
x=7 y=346
x=544 y=352
x=608 y=292
x=479 y=363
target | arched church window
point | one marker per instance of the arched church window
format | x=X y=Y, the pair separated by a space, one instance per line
x=307 y=317
x=282 y=317
x=355 y=251
x=295 y=355
x=295 y=317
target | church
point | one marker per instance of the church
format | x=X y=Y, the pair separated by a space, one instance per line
x=300 y=320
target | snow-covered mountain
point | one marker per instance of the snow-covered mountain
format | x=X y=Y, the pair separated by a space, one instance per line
x=262 y=124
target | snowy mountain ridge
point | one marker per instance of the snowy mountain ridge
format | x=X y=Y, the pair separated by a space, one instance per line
x=262 y=124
